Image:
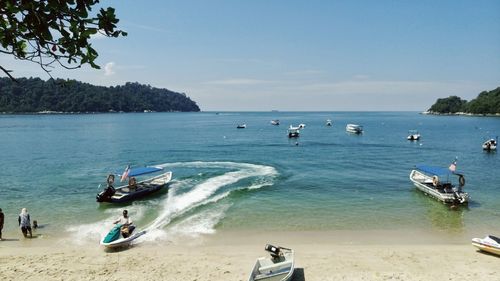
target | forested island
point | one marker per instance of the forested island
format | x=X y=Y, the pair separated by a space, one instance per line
x=34 y=95
x=486 y=103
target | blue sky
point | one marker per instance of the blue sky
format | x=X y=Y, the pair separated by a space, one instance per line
x=300 y=55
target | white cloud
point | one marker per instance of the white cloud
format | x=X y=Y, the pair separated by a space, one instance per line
x=109 y=68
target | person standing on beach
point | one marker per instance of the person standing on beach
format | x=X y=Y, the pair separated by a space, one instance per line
x=2 y=217
x=24 y=222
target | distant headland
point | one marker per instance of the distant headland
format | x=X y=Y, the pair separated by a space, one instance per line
x=34 y=95
x=487 y=103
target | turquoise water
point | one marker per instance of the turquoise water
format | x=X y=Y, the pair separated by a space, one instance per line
x=253 y=178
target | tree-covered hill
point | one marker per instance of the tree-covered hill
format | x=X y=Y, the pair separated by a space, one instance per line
x=487 y=102
x=36 y=95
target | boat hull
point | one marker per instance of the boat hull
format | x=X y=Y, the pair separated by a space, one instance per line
x=413 y=137
x=266 y=270
x=489 y=147
x=423 y=183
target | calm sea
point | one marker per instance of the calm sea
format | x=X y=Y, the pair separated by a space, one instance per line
x=254 y=178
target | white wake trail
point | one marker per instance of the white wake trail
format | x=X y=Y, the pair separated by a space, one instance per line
x=203 y=193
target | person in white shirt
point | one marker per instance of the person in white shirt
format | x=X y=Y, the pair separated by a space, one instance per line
x=126 y=224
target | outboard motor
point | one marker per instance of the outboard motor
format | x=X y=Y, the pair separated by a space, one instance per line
x=273 y=250
x=105 y=194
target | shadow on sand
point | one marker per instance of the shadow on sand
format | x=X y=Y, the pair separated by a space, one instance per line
x=298 y=275
x=9 y=239
x=119 y=249
x=487 y=254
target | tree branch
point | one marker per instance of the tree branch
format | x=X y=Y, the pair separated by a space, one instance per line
x=8 y=74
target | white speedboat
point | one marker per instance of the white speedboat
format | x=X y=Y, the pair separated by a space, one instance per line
x=278 y=267
x=328 y=122
x=275 y=122
x=490 y=244
x=436 y=182
x=114 y=238
x=293 y=132
x=490 y=144
x=413 y=135
x=241 y=126
x=354 y=128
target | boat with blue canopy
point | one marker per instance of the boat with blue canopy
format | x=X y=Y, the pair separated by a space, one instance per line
x=134 y=189
x=440 y=183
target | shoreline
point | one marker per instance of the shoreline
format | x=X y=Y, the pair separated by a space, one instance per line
x=229 y=255
x=460 y=114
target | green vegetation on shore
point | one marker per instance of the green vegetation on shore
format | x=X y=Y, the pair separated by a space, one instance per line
x=31 y=95
x=487 y=102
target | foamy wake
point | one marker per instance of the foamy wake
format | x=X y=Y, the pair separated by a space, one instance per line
x=204 y=193
x=95 y=231
x=183 y=199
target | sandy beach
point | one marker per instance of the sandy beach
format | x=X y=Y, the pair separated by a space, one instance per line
x=230 y=256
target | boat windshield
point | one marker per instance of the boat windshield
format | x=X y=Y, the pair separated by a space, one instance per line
x=133 y=172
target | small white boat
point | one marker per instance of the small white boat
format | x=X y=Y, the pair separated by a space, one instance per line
x=114 y=239
x=241 y=126
x=435 y=182
x=354 y=128
x=490 y=144
x=413 y=135
x=328 y=122
x=278 y=267
x=293 y=132
x=490 y=244
x=275 y=122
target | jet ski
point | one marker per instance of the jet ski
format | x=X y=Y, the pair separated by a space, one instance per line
x=115 y=239
x=490 y=244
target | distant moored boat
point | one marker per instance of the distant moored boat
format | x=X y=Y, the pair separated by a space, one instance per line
x=413 y=135
x=490 y=144
x=293 y=132
x=354 y=128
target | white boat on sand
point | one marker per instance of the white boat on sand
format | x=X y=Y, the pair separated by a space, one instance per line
x=436 y=182
x=354 y=128
x=490 y=244
x=278 y=267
